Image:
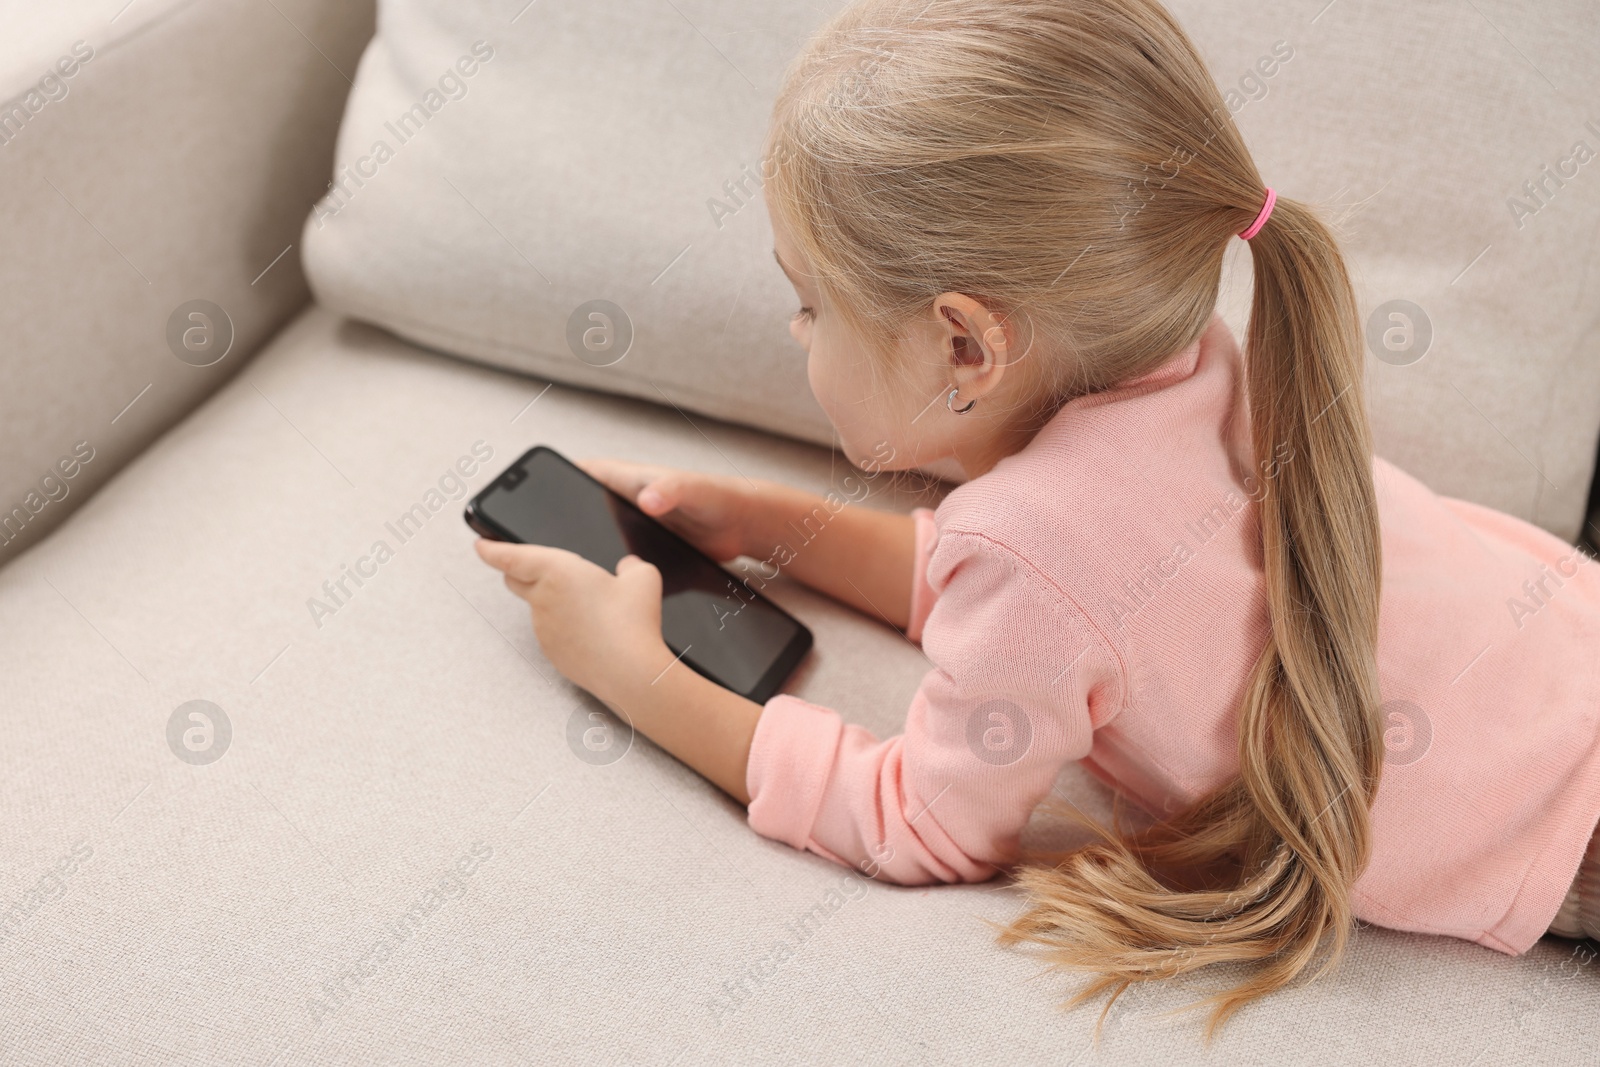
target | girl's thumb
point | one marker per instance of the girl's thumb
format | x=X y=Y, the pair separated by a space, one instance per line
x=654 y=498
x=648 y=573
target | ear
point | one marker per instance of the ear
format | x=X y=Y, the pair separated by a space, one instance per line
x=978 y=344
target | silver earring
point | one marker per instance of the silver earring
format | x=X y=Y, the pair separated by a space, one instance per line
x=949 y=402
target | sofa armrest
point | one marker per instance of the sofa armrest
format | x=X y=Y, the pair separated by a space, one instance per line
x=166 y=156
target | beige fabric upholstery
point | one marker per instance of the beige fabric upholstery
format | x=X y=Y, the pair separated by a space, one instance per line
x=155 y=910
x=150 y=155
x=610 y=151
x=398 y=856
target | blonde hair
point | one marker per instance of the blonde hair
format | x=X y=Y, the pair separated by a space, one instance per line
x=1072 y=165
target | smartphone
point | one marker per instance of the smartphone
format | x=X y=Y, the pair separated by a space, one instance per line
x=714 y=622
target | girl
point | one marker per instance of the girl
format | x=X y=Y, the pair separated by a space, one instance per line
x=1174 y=561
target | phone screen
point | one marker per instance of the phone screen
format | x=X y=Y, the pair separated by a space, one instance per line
x=721 y=628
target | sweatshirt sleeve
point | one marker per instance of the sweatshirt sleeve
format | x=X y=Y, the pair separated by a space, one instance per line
x=1018 y=682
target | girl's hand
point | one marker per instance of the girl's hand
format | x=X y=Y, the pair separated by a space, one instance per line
x=601 y=630
x=711 y=511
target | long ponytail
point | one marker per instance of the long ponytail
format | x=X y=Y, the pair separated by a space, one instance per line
x=1310 y=735
x=997 y=147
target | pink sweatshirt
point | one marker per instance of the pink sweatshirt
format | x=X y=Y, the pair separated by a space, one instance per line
x=1098 y=596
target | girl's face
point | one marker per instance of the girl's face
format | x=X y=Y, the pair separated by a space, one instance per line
x=899 y=422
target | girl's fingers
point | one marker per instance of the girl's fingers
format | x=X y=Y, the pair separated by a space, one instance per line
x=632 y=569
x=656 y=490
x=652 y=488
x=630 y=563
x=489 y=550
x=660 y=495
x=608 y=471
x=625 y=479
x=525 y=563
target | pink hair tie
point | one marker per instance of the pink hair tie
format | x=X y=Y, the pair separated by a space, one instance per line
x=1261 y=219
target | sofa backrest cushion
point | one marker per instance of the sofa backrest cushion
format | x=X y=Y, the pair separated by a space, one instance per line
x=572 y=191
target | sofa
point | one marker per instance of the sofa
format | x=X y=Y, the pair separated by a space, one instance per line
x=241 y=350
